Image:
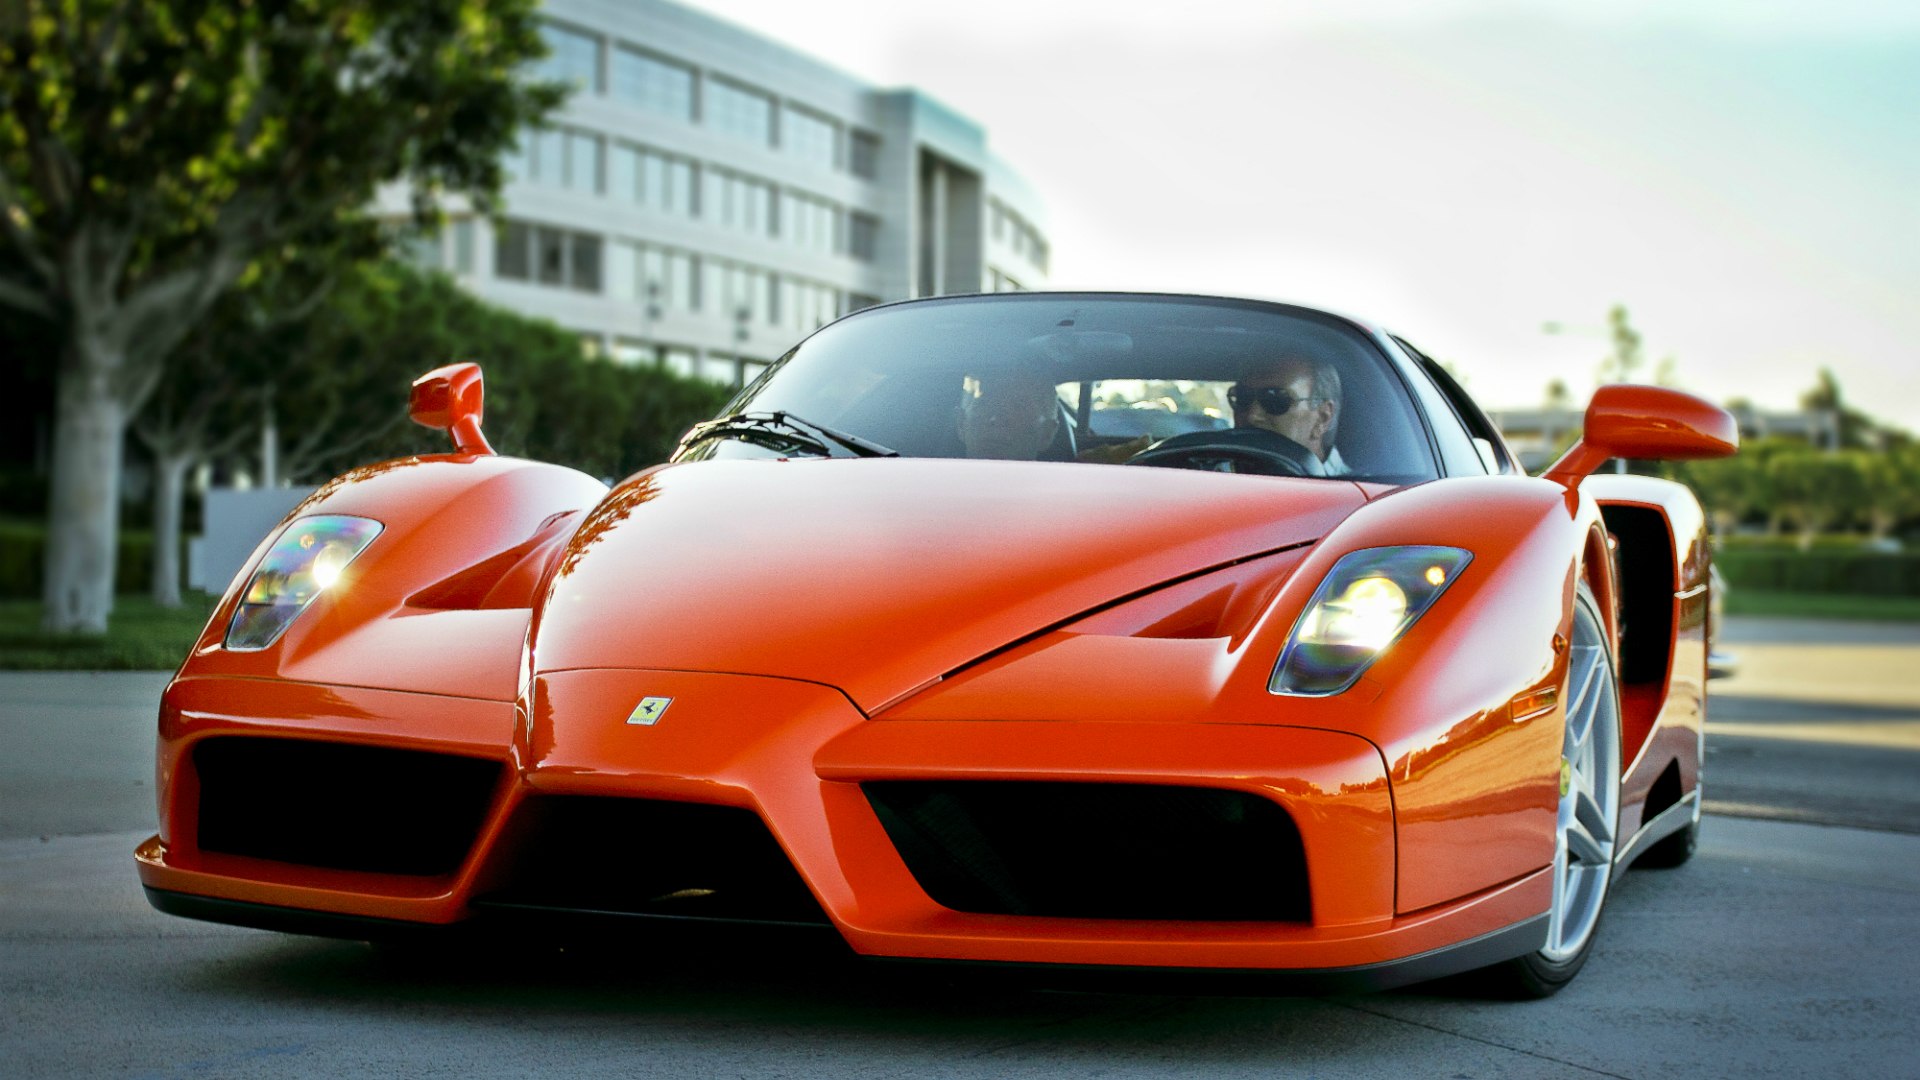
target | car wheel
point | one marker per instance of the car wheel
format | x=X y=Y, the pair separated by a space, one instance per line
x=1588 y=814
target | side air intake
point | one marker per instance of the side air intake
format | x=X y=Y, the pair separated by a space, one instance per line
x=1096 y=850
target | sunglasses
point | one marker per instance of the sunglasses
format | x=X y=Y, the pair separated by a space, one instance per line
x=1272 y=399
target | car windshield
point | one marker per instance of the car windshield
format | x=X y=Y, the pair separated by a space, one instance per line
x=1220 y=385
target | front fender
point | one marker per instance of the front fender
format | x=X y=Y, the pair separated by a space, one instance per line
x=387 y=626
x=1471 y=757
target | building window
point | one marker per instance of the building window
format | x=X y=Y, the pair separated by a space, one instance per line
x=463 y=246
x=680 y=187
x=518 y=162
x=573 y=57
x=863 y=155
x=626 y=352
x=650 y=178
x=549 y=164
x=740 y=112
x=623 y=173
x=511 y=247
x=651 y=83
x=810 y=223
x=680 y=293
x=558 y=157
x=551 y=256
x=421 y=248
x=805 y=305
x=583 y=162
x=739 y=294
x=809 y=137
x=857 y=301
x=585 y=262
x=862 y=236
x=737 y=202
x=623 y=270
x=682 y=361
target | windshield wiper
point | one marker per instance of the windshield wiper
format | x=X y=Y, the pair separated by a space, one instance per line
x=784 y=431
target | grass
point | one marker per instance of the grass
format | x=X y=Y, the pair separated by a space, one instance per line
x=1823 y=605
x=141 y=636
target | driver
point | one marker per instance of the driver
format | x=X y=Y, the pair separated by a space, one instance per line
x=1297 y=399
x=1010 y=415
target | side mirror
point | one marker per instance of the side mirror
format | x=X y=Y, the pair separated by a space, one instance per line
x=450 y=399
x=1649 y=422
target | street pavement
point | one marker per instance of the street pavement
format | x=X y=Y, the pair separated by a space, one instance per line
x=1820 y=724
x=1783 y=949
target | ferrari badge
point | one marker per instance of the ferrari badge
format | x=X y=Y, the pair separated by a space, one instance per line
x=649 y=710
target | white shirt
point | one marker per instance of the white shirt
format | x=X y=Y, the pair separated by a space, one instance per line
x=1331 y=466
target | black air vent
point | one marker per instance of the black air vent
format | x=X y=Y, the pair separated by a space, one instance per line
x=341 y=807
x=646 y=857
x=1091 y=850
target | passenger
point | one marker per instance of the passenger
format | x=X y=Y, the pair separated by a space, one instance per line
x=1010 y=415
x=1296 y=399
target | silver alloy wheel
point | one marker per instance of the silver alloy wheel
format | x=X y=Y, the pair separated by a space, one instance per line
x=1589 y=793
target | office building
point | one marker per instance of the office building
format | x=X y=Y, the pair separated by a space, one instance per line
x=707 y=197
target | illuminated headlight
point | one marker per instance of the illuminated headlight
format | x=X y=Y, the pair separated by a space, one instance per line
x=1366 y=602
x=306 y=561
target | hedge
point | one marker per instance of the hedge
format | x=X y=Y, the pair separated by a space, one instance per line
x=23 y=546
x=1857 y=572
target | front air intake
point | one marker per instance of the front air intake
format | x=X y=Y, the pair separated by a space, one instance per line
x=645 y=857
x=341 y=807
x=1095 y=850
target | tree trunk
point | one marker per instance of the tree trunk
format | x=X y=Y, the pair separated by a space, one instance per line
x=169 y=491
x=83 y=526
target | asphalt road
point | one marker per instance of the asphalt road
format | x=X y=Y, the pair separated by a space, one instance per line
x=1783 y=949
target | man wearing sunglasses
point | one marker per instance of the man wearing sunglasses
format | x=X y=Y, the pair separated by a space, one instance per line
x=1296 y=399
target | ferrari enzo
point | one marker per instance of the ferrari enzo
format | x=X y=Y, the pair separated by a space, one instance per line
x=1093 y=630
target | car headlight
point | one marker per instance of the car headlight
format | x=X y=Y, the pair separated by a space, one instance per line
x=306 y=561
x=1366 y=602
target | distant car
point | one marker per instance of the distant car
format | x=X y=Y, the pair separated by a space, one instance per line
x=1197 y=710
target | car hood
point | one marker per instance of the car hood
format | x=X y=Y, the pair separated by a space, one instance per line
x=877 y=576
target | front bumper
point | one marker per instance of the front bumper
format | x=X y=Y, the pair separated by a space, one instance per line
x=796 y=756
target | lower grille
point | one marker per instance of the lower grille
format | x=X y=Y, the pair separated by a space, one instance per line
x=647 y=857
x=341 y=807
x=1092 y=850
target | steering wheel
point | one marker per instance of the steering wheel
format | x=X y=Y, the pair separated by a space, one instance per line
x=1234 y=450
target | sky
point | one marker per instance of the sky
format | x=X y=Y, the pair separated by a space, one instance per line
x=1743 y=176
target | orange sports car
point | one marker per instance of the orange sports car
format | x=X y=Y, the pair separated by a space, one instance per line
x=1096 y=630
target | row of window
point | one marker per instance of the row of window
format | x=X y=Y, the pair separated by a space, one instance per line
x=579 y=161
x=723 y=367
x=1010 y=227
x=667 y=86
x=663 y=279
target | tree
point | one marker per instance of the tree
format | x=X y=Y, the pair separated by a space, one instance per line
x=1728 y=488
x=1893 y=488
x=389 y=323
x=217 y=386
x=1851 y=427
x=1557 y=395
x=1624 y=361
x=1817 y=490
x=151 y=150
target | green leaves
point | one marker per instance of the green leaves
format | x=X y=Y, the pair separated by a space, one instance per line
x=205 y=128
